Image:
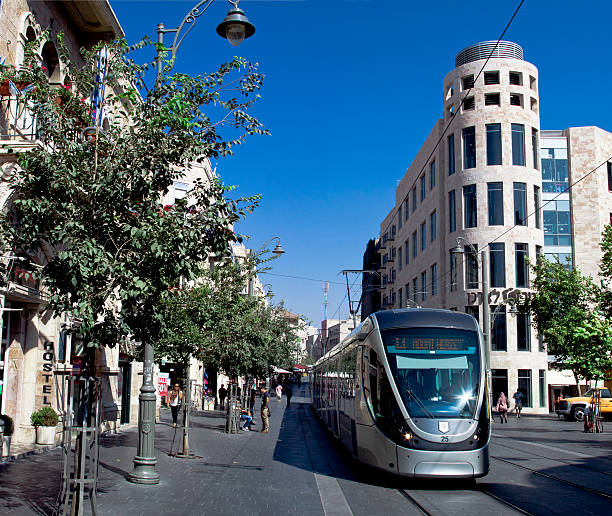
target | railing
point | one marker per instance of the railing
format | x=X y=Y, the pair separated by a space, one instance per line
x=16 y=120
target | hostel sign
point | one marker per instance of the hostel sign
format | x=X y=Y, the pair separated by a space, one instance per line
x=47 y=372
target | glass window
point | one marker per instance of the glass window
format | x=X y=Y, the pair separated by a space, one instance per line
x=434 y=279
x=499 y=380
x=406 y=251
x=520 y=204
x=423 y=188
x=415 y=290
x=451 y=154
x=471 y=266
x=518 y=144
x=524 y=385
x=453 y=270
x=399 y=258
x=542 y=387
x=495 y=195
x=414 y=199
x=521 y=254
x=406 y=209
x=534 y=148
x=557 y=226
x=414 y=244
x=494 y=144
x=452 y=213
x=399 y=218
x=401 y=300
x=537 y=207
x=423 y=285
x=433 y=226
x=497 y=265
x=407 y=289
x=499 y=333
x=474 y=311
x=609 y=176
x=423 y=236
x=469 y=147
x=523 y=335
x=554 y=170
x=469 y=206
x=432 y=174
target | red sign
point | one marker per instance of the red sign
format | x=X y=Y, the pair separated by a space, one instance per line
x=163 y=380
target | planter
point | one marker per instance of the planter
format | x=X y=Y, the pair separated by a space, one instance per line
x=6 y=444
x=5 y=90
x=45 y=435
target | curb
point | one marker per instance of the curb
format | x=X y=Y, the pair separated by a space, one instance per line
x=35 y=451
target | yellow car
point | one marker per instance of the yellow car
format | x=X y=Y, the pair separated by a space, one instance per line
x=572 y=409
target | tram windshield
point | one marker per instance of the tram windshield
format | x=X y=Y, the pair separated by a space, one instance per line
x=437 y=370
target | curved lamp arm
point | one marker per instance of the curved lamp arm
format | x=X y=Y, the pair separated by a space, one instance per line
x=458 y=249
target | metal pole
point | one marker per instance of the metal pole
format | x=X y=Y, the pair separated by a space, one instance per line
x=486 y=316
x=160 y=41
x=145 y=460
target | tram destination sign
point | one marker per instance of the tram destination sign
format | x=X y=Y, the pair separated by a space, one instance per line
x=407 y=343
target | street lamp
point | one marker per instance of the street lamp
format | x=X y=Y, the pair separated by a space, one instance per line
x=235 y=28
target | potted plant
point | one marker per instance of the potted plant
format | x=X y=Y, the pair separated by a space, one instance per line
x=45 y=420
x=6 y=434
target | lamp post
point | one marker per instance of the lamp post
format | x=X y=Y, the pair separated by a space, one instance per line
x=235 y=28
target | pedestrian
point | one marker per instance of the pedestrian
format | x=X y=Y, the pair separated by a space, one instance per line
x=265 y=410
x=588 y=417
x=288 y=388
x=518 y=403
x=279 y=391
x=176 y=396
x=222 y=396
x=252 y=395
x=502 y=408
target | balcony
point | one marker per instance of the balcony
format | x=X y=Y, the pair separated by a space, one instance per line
x=18 y=127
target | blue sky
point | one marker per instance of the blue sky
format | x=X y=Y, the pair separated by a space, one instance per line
x=352 y=90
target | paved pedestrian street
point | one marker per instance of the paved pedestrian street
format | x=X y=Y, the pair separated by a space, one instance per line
x=539 y=465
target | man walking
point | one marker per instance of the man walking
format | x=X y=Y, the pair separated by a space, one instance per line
x=518 y=403
x=265 y=410
x=222 y=396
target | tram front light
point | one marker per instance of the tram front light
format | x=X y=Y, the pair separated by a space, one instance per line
x=475 y=437
x=407 y=436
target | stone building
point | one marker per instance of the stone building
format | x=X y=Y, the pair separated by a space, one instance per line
x=477 y=181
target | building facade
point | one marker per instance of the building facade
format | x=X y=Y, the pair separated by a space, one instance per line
x=479 y=181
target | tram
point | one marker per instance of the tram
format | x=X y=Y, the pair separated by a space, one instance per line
x=406 y=392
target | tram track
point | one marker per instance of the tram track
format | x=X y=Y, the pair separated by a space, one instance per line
x=555 y=478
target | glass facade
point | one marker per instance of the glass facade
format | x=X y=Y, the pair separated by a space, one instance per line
x=494 y=144
x=554 y=170
x=557 y=223
x=495 y=196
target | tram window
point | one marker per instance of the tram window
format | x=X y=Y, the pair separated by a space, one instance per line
x=373 y=377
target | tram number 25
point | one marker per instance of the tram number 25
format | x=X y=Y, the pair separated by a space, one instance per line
x=444 y=438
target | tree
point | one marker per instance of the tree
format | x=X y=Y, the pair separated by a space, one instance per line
x=90 y=207
x=564 y=311
x=605 y=271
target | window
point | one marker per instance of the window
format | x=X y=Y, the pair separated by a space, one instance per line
x=554 y=170
x=557 y=225
x=533 y=83
x=521 y=254
x=534 y=105
x=423 y=236
x=467 y=82
x=537 y=207
x=180 y=190
x=453 y=270
x=415 y=290
x=469 y=147
x=523 y=335
x=516 y=100
x=541 y=347
x=432 y=175
x=474 y=311
x=407 y=251
x=414 y=244
x=609 y=177
x=491 y=78
x=433 y=226
x=434 y=279
x=423 y=188
x=499 y=333
x=518 y=145
x=469 y=207
x=524 y=385
x=401 y=301
x=499 y=383
x=399 y=258
x=452 y=213
x=414 y=199
x=399 y=218
x=406 y=209
x=520 y=204
x=538 y=253
x=407 y=289
x=423 y=285
x=516 y=78
x=469 y=103
x=494 y=144
x=495 y=196
x=542 y=387
x=534 y=148
x=471 y=266
x=492 y=99
x=393 y=232
x=497 y=265
x=451 y=154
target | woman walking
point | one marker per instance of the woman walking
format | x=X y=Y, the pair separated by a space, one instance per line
x=502 y=408
x=279 y=392
x=176 y=395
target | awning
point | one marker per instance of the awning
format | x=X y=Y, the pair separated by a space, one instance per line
x=279 y=370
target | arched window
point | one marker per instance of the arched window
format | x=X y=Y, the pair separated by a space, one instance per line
x=50 y=61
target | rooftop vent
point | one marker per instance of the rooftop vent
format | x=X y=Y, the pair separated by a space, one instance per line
x=482 y=50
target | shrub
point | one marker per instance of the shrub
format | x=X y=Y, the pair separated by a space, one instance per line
x=9 y=427
x=46 y=416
